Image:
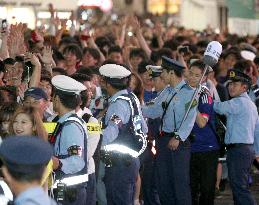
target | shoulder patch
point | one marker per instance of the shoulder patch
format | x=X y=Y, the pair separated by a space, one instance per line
x=194 y=103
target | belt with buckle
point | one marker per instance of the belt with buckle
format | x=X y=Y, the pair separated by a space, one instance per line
x=236 y=145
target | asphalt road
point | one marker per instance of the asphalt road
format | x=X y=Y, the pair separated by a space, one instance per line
x=226 y=196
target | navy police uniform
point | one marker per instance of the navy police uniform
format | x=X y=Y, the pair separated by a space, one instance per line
x=242 y=122
x=25 y=155
x=173 y=165
x=148 y=182
x=124 y=138
x=70 y=143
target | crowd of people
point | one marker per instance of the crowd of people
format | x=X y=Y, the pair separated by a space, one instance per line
x=112 y=103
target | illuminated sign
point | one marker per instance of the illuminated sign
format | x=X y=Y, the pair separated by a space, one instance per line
x=104 y=5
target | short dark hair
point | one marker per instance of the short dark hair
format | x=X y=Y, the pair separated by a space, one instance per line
x=9 y=61
x=57 y=55
x=119 y=84
x=59 y=70
x=85 y=71
x=93 y=51
x=75 y=49
x=178 y=73
x=35 y=175
x=67 y=40
x=108 y=61
x=70 y=101
x=138 y=52
x=157 y=55
x=19 y=59
x=80 y=77
x=115 y=49
x=199 y=64
x=242 y=65
x=84 y=98
x=172 y=44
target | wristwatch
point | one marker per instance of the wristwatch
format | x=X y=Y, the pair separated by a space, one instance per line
x=177 y=137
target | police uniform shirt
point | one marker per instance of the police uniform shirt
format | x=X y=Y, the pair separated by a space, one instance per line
x=33 y=196
x=70 y=134
x=178 y=105
x=241 y=116
x=205 y=138
x=122 y=110
x=256 y=138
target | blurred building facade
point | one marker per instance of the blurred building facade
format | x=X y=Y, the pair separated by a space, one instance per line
x=239 y=16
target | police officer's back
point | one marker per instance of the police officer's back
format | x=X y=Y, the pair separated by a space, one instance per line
x=123 y=137
x=25 y=159
x=70 y=142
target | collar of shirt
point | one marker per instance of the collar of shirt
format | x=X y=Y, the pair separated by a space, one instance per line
x=179 y=85
x=244 y=94
x=31 y=193
x=163 y=90
x=65 y=116
x=121 y=92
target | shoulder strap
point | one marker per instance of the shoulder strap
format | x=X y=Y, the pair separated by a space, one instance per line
x=166 y=105
x=127 y=98
x=86 y=117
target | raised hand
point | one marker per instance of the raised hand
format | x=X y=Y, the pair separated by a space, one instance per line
x=46 y=56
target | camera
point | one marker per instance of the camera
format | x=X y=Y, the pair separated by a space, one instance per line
x=183 y=49
x=4 y=26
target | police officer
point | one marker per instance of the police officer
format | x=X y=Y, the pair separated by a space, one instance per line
x=25 y=159
x=173 y=147
x=149 y=189
x=123 y=137
x=242 y=117
x=70 y=142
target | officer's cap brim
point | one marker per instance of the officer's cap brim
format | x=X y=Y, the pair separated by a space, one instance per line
x=171 y=64
x=67 y=85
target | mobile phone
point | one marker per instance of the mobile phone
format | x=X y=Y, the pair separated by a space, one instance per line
x=183 y=49
x=4 y=25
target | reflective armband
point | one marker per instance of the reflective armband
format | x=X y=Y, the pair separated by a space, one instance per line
x=92 y=127
x=116 y=119
x=75 y=150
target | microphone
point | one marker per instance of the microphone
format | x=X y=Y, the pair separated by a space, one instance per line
x=212 y=53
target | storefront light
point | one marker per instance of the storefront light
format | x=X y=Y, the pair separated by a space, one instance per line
x=163 y=6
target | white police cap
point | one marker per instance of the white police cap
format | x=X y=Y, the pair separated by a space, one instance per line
x=114 y=71
x=155 y=68
x=248 y=55
x=67 y=84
